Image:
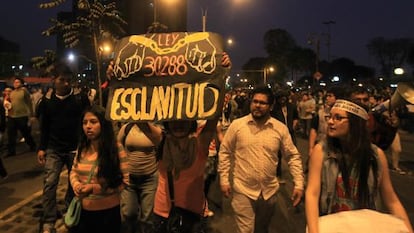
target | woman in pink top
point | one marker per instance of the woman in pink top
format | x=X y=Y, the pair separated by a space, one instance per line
x=183 y=151
x=99 y=150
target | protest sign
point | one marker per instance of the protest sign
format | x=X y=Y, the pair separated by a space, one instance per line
x=167 y=76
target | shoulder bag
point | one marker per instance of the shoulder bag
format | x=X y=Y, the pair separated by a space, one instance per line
x=74 y=210
x=181 y=220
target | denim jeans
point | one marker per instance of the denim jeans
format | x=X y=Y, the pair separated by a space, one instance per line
x=137 y=203
x=53 y=167
x=14 y=124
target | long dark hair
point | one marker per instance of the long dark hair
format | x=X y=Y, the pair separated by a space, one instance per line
x=109 y=171
x=361 y=155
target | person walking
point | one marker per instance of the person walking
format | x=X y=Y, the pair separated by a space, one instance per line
x=19 y=117
x=347 y=171
x=100 y=153
x=319 y=124
x=61 y=112
x=287 y=113
x=183 y=152
x=3 y=171
x=306 y=109
x=137 y=199
x=252 y=143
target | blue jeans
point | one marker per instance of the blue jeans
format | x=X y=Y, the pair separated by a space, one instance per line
x=53 y=167
x=137 y=203
x=14 y=124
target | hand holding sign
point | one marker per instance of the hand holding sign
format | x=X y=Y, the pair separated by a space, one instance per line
x=168 y=76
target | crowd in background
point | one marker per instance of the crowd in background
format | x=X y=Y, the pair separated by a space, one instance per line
x=303 y=112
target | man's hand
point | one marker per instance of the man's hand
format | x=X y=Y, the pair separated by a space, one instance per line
x=226 y=190
x=41 y=157
x=296 y=196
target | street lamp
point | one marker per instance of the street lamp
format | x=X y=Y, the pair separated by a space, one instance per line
x=106 y=48
x=269 y=69
x=328 y=41
x=399 y=71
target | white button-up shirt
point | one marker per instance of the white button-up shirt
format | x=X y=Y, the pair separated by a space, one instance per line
x=254 y=150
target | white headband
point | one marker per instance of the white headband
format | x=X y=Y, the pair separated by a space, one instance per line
x=350 y=107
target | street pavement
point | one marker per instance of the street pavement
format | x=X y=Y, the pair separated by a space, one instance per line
x=21 y=214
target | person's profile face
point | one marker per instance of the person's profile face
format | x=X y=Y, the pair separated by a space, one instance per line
x=338 y=123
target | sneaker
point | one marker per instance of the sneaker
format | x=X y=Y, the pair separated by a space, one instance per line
x=399 y=171
x=48 y=228
x=210 y=213
x=49 y=231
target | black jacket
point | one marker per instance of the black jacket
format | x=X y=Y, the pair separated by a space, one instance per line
x=61 y=123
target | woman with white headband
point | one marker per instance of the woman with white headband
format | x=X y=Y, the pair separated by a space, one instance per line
x=347 y=172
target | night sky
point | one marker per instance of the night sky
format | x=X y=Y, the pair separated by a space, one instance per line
x=246 y=22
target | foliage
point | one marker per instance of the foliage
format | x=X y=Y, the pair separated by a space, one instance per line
x=99 y=20
x=51 y=4
x=278 y=42
x=94 y=23
x=289 y=58
x=44 y=63
x=390 y=53
x=253 y=70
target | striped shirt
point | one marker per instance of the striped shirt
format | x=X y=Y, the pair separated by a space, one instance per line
x=100 y=198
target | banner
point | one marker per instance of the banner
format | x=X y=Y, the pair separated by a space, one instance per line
x=167 y=76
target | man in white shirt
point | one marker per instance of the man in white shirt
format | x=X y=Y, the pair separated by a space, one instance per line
x=252 y=143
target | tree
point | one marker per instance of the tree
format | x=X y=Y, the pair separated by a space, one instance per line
x=96 y=22
x=278 y=43
x=390 y=53
x=410 y=58
x=300 y=60
x=286 y=55
x=254 y=69
x=44 y=64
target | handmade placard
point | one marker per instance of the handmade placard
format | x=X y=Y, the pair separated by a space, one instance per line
x=167 y=76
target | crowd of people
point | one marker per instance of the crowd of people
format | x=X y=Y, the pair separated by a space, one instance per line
x=133 y=177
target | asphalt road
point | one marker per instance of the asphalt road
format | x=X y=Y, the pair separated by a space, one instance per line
x=24 y=184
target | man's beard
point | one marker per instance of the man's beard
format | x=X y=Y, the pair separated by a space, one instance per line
x=259 y=117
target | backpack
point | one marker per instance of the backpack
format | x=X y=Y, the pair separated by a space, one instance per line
x=128 y=128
